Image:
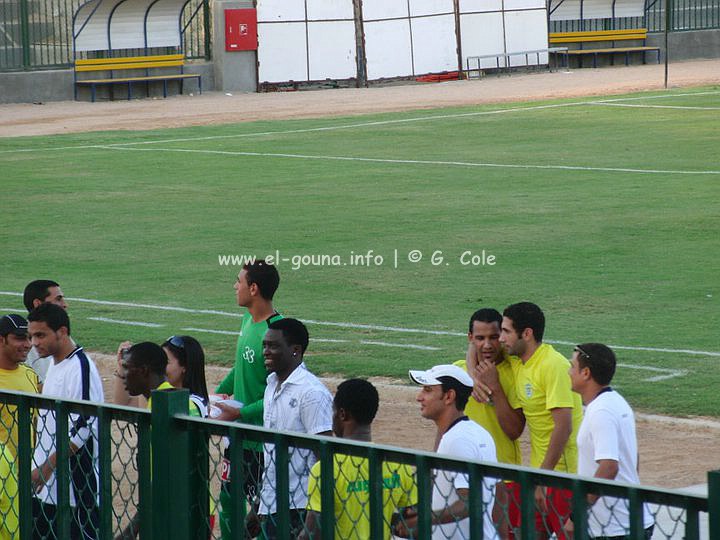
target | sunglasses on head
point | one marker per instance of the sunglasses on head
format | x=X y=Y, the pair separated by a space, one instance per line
x=578 y=349
x=176 y=341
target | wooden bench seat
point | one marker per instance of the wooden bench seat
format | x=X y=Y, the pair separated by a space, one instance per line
x=604 y=36
x=149 y=64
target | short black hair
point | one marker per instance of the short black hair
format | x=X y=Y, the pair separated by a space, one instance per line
x=600 y=359
x=462 y=392
x=359 y=398
x=265 y=276
x=149 y=355
x=527 y=315
x=54 y=316
x=37 y=290
x=486 y=315
x=293 y=331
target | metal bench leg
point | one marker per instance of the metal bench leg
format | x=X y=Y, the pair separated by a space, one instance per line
x=627 y=58
x=92 y=92
x=129 y=91
x=165 y=88
x=595 y=60
x=200 y=81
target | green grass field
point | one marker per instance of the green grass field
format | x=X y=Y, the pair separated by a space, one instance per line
x=603 y=213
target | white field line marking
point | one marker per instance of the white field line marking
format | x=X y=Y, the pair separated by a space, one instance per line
x=352 y=325
x=127 y=323
x=401 y=345
x=306 y=130
x=359 y=124
x=648 y=349
x=658 y=96
x=668 y=373
x=229 y=333
x=638 y=106
x=410 y=161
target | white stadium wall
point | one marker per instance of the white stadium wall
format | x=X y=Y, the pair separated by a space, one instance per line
x=315 y=40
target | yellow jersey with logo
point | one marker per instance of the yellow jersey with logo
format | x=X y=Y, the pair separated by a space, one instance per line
x=508 y=450
x=542 y=384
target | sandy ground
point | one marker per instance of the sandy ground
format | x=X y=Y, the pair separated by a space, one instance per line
x=674 y=452
x=665 y=443
x=219 y=108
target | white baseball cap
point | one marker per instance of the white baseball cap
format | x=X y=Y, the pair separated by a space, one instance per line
x=431 y=376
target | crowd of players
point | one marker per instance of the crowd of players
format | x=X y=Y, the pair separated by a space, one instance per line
x=509 y=381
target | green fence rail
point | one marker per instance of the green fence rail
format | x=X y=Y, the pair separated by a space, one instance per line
x=37 y=34
x=164 y=466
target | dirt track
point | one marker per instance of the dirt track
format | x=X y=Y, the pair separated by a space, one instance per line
x=219 y=108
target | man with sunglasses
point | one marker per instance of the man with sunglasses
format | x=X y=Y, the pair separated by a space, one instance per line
x=607 y=441
x=254 y=287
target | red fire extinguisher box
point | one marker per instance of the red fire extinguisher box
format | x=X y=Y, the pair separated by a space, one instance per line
x=241 y=30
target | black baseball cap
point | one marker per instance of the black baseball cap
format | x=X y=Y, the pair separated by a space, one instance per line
x=13 y=324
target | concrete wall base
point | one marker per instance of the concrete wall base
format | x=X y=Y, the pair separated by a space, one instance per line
x=58 y=85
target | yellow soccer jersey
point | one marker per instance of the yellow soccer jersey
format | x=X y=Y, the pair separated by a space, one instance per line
x=543 y=383
x=8 y=496
x=22 y=379
x=508 y=451
x=352 y=494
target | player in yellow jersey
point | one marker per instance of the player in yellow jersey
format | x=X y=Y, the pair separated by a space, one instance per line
x=484 y=347
x=552 y=411
x=354 y=408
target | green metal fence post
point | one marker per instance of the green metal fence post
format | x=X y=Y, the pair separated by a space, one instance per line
x=377 y=524
x=62 y=470
x=206 y=30
x=282 y=491
x=580 y=510
x=477 y=508
x=327 y=492
x=105 y=465
x=144 y=464
x=425 y=486
x=714 y=504
x=527 y=507
x=199 y=482
x=171 y=501
x=25 y=33
x=24 y=453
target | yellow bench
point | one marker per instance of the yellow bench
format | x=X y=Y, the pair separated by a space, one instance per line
x=150 y=65
x=604 y=36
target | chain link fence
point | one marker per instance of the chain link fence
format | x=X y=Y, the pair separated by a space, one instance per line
x=170 y=475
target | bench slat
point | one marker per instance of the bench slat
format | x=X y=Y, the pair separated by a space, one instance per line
x=577 y=39
x=136 y=79
x=612 y=50
x=128 y=59
x=132 y=65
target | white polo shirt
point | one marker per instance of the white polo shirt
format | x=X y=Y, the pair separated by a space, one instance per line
x=64 y=380
x=467 y=440
x=608 y=432
x=302 y=403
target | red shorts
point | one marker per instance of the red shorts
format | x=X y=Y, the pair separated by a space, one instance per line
x=558 y=503
x=558 y=511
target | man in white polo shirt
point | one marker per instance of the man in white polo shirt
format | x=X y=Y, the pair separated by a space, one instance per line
x=72 y=375
x=295 y=400
x=42 y=291
x=606 y=440
x=444 y=394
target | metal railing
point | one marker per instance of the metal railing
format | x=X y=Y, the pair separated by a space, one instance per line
x=164 y=466
x=37 y=34
x=684 y=15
